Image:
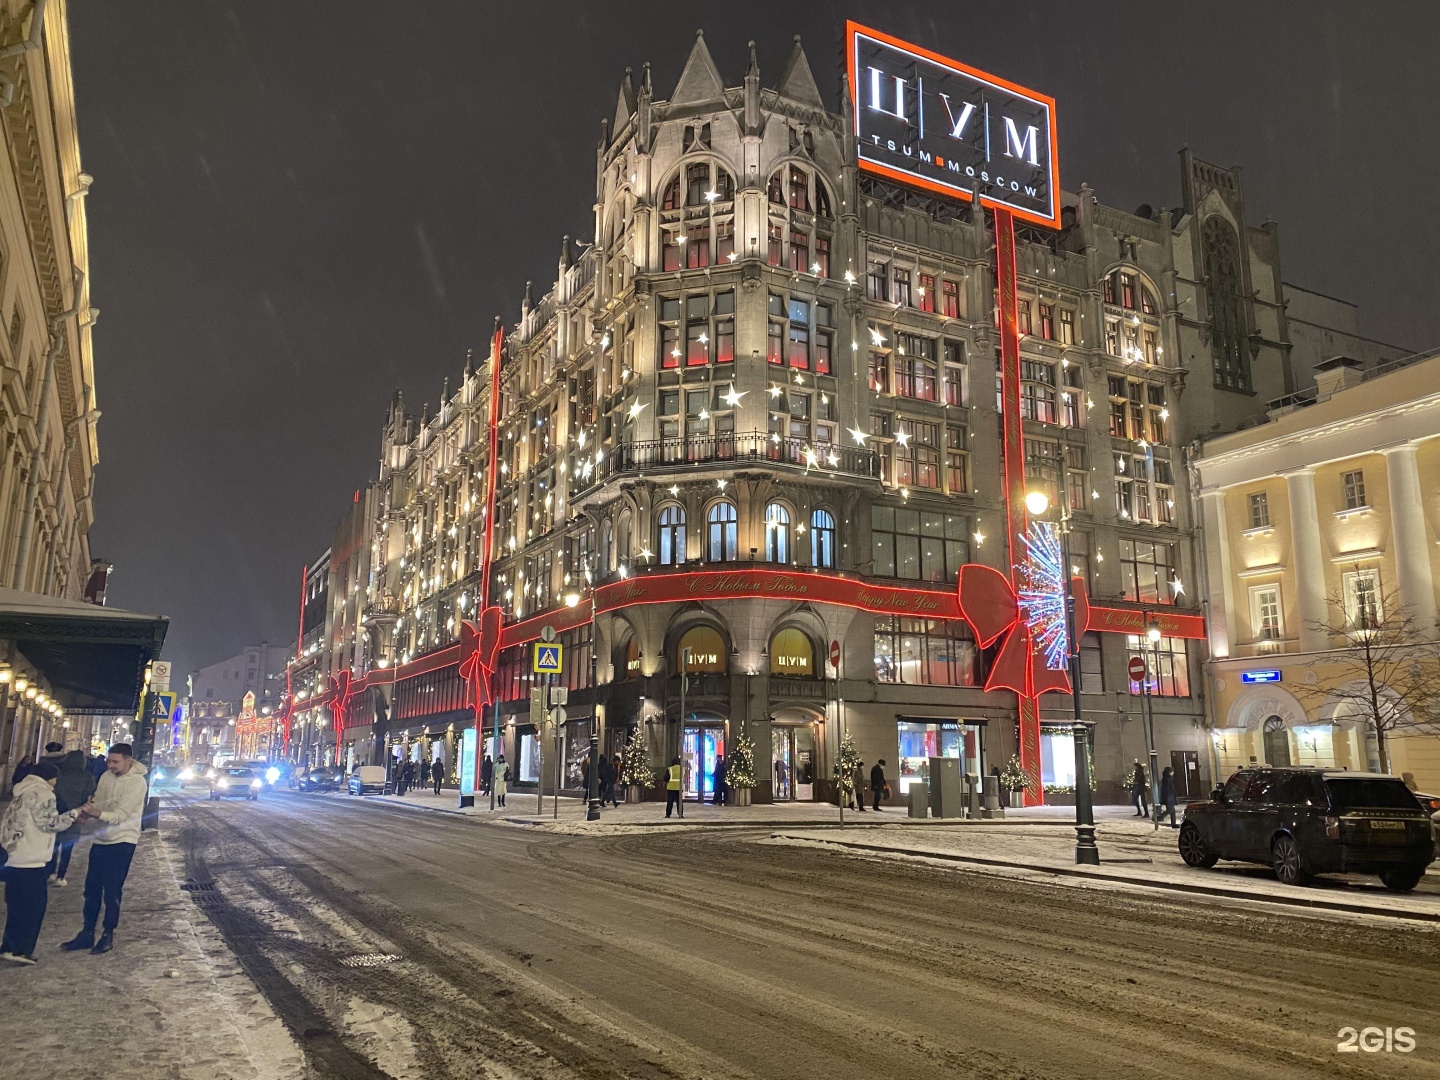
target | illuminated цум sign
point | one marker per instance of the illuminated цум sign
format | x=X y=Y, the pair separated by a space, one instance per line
x=938 y=124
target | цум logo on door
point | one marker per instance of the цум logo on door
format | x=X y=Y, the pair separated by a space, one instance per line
x=938 y=124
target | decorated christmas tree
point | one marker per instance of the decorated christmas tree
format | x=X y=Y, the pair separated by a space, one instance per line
x=636 y=769
x=845 y=765
x=1013 y=777
x=740 y=767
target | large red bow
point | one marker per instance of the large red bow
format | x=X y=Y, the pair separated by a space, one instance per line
x=478 y=646
x=990 y=606
x=340 y=707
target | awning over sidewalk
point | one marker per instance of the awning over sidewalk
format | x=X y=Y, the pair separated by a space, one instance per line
x=91 y=656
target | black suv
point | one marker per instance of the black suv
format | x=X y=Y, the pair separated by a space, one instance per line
x=1312 y=821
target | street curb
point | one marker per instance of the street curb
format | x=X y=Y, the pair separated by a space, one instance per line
x=1317 y=903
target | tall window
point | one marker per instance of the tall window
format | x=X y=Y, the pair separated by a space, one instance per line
x=822 y=539
x=950 y=299
x=800 y=221
x=1147 y=572
x=672 y=535
x=1037 y=391
x=1167 y=665
x=877 y=281
x=724 y=535
x=902 y=287
x=925 y=293
x=1265 y=612
x=1364 y=609
x=1354 y=488
x=697 y=330
x=1259 y=510
x=925 y=652
x=919 y=545
x=917 y=453
x=1224 y=296
x=777 y=533
x=702 y=650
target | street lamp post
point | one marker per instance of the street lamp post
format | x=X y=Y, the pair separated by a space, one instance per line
x=592 y=780
x=1152 y=632
x=1087 y=852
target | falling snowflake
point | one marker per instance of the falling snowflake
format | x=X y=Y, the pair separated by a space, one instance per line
x=1042 y=593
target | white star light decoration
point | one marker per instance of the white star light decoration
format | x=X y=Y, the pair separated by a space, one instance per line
x=1042 y=593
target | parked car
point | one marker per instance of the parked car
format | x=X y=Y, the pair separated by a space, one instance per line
x=321 y=778
x=236 y=782
x=1307 y=821
x=368 y=780
x=197 y=775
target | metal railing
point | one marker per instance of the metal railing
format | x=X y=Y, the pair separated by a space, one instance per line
x=751 y=449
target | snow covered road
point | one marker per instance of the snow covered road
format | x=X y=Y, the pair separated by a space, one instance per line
x=425 y=945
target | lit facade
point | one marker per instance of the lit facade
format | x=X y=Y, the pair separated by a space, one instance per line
x=1322 y=518
x=765 y=363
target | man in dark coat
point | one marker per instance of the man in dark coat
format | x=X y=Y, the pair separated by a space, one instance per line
x=722 y=789
x=1137 y=791
x=1167 y=794
x=487 y=773
x=877 y=781
x=73 y=789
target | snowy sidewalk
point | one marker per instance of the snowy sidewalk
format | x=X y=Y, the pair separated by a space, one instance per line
x=1132 y=852
x=171 y=1001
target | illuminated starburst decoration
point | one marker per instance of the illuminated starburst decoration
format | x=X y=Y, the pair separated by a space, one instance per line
x=1042 y=593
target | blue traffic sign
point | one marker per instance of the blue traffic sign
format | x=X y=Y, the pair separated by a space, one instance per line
x=1260 y=675
x=547 y=658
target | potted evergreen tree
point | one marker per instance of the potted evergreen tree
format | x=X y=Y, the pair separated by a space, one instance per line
x=740 y=769
x=636 y=772
x=1012 y=779
x=845 y=765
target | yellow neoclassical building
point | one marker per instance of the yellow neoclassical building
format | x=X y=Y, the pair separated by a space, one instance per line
x=1327 y=514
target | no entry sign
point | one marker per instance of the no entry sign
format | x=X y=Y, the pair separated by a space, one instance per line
x=1137 y=669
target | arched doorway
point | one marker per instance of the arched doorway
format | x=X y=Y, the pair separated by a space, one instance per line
x=1277 y=742
x=794 y=755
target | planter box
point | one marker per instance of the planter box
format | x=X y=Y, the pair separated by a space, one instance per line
x=1059 y=800
x=634 y=793
x=742 y=796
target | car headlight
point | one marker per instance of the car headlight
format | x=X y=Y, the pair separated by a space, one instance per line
x=159 y=774
x=187 y=774
x=272 y=774
x=256 y=783
x=222 y=782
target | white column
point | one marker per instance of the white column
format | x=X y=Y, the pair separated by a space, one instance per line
x=1309 y=560
x=1412 y=548
x=1218 y=591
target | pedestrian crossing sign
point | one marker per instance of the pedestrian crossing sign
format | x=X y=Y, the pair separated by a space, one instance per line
x=547 y=658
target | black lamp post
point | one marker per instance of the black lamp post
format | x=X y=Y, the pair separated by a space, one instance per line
x=1152 y=632
x=1037 y=502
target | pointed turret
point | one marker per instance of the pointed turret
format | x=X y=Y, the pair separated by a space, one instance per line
x=625 y=102
x=752 y=94
x=469 y=364
x=797 y=83
x=700 y=80
x=643 y=126
x=564 y=254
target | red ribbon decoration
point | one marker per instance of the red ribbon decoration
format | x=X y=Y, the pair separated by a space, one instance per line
x=989 y=604
x=478 y=646
x=340 y=695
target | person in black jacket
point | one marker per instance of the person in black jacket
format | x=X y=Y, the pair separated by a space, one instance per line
x=1137 y=791
x=877 y=781
x=1167 y=794
x=73 y=789
x=487 y=774
x=606 y=772
x=722 y=789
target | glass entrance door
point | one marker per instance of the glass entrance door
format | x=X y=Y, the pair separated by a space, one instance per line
x=792 y=750
x=699 y=749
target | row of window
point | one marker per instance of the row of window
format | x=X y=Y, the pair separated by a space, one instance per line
x=722 y=535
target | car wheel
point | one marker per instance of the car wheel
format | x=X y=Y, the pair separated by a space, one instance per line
x=1401 y=878
x=1289 y=867
x=1193 y=848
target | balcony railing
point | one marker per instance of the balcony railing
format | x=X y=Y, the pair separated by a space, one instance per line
x=749 y=450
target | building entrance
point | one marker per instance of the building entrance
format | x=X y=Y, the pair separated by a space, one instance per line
x=792 y=751
x=700 y=747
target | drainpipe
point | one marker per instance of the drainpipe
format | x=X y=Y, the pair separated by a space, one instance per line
x=31 y=41
x=42 y=417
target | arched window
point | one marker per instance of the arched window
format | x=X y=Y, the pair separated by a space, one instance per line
x=630 y=664
x=799 y=227
x=777 y=533
x=822 y=539
x=724 y=539
x=1223 y=296
x=777 y=190
x=792 y=653
x=671 y=201
x=702 y=649
x=695 y=239
x=672 y=535
x=622 y=537
x=607 y=547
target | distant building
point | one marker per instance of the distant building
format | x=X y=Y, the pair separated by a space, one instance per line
x=215 y=696
x=1325 y=518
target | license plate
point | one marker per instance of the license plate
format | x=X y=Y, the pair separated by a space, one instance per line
x=1388 y=825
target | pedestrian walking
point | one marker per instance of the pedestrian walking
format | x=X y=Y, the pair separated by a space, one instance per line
x=878 y=786
x=673 y=779
x=437 y=773
x=1167 y=795
x=607 y=780
x=73 y=789
x=27 y=833
x=424 y=773
x=487 y=774
x=500 y=779
x=722 y=787
x=1137 y=790
x=857 y=786
x=118 y=805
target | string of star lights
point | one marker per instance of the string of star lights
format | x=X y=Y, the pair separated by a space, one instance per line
x=1042 y=593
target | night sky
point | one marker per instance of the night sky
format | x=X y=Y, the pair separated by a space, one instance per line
x=301 y=206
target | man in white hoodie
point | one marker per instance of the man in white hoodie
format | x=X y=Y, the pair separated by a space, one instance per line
x=118 y=805
x=27 y=833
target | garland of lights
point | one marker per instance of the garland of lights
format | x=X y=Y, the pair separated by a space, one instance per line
x=1042 y=593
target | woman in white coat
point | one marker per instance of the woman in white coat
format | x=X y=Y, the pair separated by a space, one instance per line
x=27 y=833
